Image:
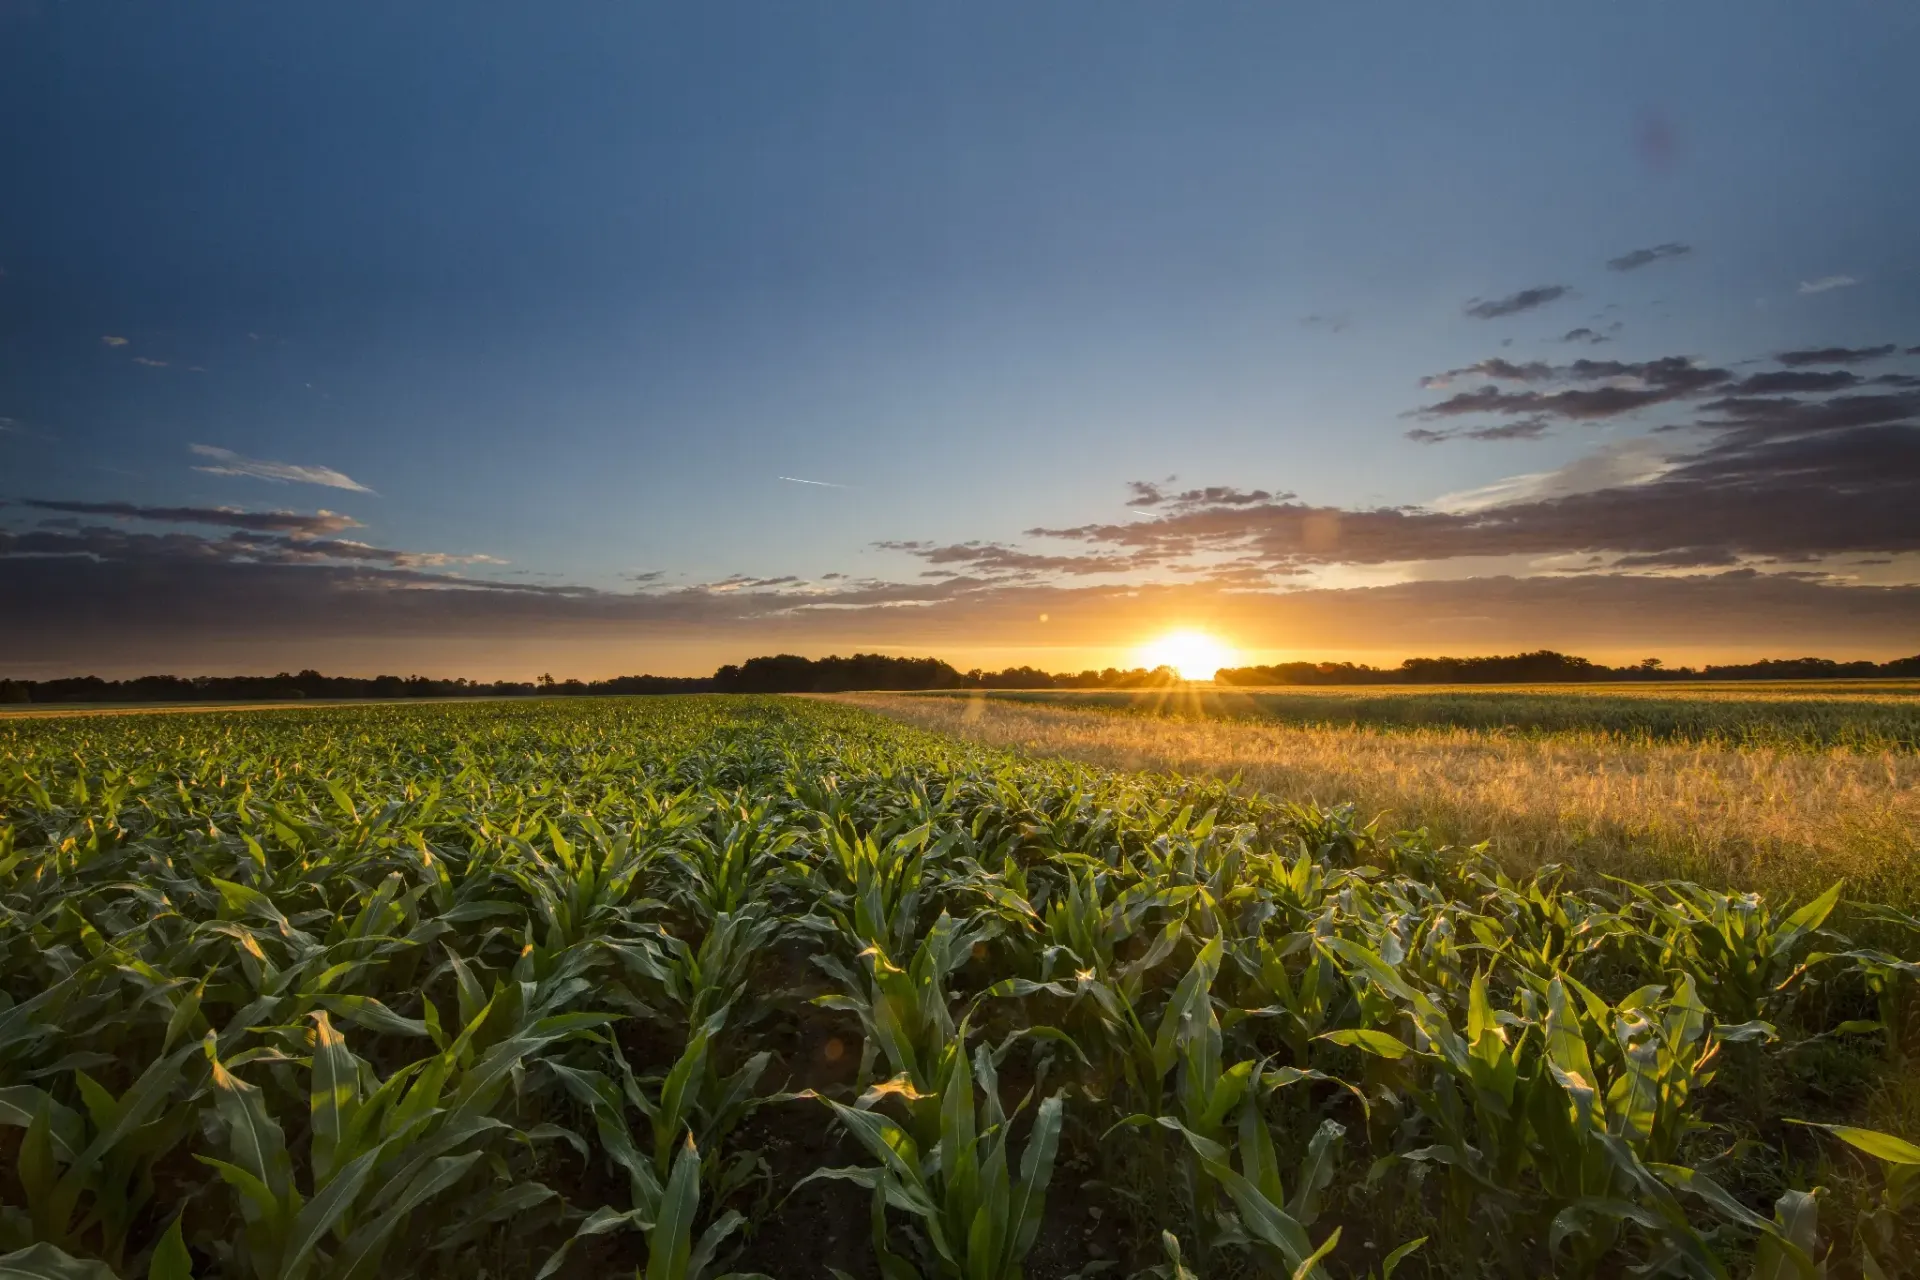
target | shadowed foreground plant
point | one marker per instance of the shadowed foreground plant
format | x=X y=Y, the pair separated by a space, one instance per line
x=977 y=1220
x=1878 y=1231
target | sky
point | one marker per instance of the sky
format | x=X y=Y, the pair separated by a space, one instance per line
x=488 y=339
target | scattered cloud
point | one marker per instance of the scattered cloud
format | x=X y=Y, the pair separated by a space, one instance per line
x=1519 y=429
x=240 y=547
x=1586 y=335
x=1750 y=418
x=824 y=484
x=1613 y=387
x=997 y=559
x=1680 y=558
x=1645 y=257
x=1834 y=355
x=1767 y=477
x=225 y=462
x=298 y=524
x=1336 y=322
x=128 y=616
x=747 y=582
x=113 y=340
x=1827 y=283
x=1146 y=493
x=1794 y=382
x=651 y=575
x=1514 y=304
x=151 y=364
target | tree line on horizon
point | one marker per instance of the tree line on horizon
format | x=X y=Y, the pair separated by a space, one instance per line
x=1545 y=666
x=789 y=673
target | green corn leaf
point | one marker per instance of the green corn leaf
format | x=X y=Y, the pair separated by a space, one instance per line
x=1815 y=913
x=1787 y=1251
x=45 y=1262
x=259 y=1206
x=1176 y=1267
x=335 y=1091
x=1681 y=1178
x=359 y=1256
x=370 y=1014
x=958 y=1154
x=259 y=1146
x=1316 y=1171
x=1188 y=1009
x=1266 y=1222
x=1568 y=1059
x=328 y=1208
x=1881 y=1146
x=675 y=1099
x=1309 y=1266
x=1378 y=1043
x=1259 y=1162
x=186 y=1011
x=1398 y=1256
x=1376 y=969
x=1036 y=1172
x=601 y=1221
x=170 y=1260
x=708 y=1245
x=670 y=1243
x=20 y=1103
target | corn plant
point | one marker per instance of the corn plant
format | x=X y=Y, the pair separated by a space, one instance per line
x=376 y=1154
x=977 y=1216
x=1737 y=947
x=904 y=1012
x=1879 y=1231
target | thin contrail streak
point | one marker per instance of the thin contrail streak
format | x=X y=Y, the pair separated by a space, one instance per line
x=824 y=484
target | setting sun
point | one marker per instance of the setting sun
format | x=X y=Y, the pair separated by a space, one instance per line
x=1194 y=654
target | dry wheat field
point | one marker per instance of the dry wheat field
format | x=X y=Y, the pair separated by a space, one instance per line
x=1781 y=786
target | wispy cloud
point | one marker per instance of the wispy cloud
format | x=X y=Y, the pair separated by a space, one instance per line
x=1596 y=389
x=151 y=364
x=298 y=524
x=1644 y=257
x=1514 y=304
x=824 y=484
x=113 y=340
x=1519 y=429
x=1834 y=355
x=225 y=462
x=1826 y=283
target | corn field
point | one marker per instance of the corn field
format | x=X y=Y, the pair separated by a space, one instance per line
x=709 y=987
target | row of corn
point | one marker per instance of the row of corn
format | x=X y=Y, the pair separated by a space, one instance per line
x=524 y=989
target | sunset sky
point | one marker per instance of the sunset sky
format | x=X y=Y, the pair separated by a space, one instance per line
x=491 y=339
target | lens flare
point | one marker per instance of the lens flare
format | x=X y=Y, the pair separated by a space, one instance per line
x=1194 y=654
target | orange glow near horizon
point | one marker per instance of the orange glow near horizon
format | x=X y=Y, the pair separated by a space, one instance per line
x=1194 y=654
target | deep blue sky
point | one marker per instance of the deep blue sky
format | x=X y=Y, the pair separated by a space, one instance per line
x=573 y=286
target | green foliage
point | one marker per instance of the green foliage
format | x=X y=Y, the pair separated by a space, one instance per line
x=543 y=989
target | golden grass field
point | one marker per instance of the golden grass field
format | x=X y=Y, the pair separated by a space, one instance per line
x=1751 y=816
